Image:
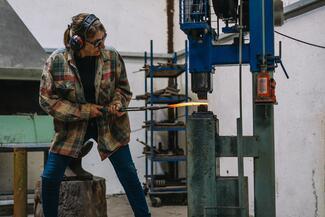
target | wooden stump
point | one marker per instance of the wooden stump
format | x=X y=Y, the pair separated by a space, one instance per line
x=78 y=198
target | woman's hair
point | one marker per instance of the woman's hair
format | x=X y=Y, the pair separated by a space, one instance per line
x=75 y=27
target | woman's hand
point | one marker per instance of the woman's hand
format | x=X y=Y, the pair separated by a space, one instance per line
x=95 y=111
x=115 y=109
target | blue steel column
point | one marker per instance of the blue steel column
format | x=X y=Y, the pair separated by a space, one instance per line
x=257 y=38
x=186 y=77
x=201 y=164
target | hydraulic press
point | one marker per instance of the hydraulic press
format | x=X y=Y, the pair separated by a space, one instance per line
x=209 y=194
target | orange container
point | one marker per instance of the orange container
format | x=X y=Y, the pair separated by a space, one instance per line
x=263 y=85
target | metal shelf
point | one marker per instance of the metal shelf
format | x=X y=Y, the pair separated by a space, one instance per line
x=167 y=158
x=164 y=126
x=169 y=189
x=169 y=95
x=167 y=128
x=164 y=71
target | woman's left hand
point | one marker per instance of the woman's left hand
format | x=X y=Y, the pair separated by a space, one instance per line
x=115 y=109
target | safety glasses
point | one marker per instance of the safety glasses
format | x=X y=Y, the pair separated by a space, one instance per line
x=98 y=42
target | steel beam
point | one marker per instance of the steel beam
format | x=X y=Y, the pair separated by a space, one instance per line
x=264 y=166
x=201 y=165
x=301 y=7
x=226 y=146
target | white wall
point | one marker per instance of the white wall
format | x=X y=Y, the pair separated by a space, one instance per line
x=130 y=24
x=300 y=119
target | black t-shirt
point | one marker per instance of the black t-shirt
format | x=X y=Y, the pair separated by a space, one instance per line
x=87 y=72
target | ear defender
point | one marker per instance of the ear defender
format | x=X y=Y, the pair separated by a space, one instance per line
x=76 y=42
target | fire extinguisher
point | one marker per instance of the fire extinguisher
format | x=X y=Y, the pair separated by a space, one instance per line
x=265 y=88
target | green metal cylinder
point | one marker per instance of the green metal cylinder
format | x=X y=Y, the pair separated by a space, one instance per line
x=201 y=165
x=20 y=183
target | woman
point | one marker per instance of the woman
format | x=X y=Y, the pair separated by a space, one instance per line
x=77 y=84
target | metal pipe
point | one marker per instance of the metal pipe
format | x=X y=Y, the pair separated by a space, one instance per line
x=146 y=116
x=172 y=82
x=240 y=162
x=20 y=182
x=156 y=107
x=152 y=176
x=170 y=25
x=143 y=108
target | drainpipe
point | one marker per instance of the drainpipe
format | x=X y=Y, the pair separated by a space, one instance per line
x=172 y=82
x=170 y=26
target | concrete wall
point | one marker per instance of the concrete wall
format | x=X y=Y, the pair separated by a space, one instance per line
x=299 y=117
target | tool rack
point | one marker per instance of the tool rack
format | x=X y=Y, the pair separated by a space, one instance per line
x=161 y=188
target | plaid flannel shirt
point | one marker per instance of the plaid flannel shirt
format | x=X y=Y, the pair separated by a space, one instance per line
x=61 y=96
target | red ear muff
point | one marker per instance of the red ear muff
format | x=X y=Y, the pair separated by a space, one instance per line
x=76 y=42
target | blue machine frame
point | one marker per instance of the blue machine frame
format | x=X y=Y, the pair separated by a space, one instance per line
x=203 y=55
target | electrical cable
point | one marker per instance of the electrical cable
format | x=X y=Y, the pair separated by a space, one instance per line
x=298 y=40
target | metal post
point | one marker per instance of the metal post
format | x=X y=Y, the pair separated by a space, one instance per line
x=146 y=116
x=264 y=166
x=20 y=182
x=240 y=159
x=261 y=18
x=152 y=153
x=186 y=77
x=201 y=164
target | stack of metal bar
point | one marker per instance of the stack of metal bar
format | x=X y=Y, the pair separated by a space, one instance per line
x=166 y=92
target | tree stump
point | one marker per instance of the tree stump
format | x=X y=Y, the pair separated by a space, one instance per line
x=86 y=198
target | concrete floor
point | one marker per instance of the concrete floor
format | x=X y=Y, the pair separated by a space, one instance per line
x=118 y=206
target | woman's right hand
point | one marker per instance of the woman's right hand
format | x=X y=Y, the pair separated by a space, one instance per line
x=95 y=111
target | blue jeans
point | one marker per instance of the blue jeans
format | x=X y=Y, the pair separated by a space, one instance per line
x=123 y=166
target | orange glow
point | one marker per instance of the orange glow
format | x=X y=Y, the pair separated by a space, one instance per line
x=184 y=104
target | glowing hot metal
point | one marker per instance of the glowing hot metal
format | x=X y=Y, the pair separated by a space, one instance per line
x=143 y=108
x=177 y=105
x=184 y=104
